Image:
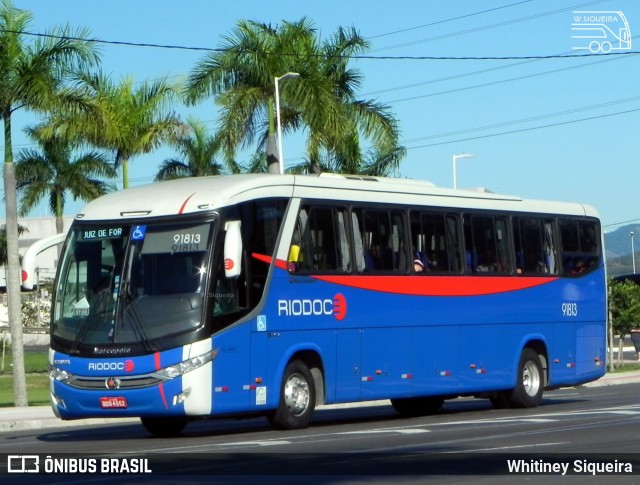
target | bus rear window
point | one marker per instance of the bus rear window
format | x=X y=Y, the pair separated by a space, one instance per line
x=580 y=245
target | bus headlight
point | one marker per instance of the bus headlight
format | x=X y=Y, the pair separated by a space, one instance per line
x=59 y=375
x=188 y=365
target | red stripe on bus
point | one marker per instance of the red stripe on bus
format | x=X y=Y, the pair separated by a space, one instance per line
x=422 y=285
x=185 y=203
x=156 y=359
x=437 y=285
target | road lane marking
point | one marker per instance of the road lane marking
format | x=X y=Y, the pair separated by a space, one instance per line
x=389 y=431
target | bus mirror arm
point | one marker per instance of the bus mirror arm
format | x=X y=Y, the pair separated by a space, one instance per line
x=232 y=249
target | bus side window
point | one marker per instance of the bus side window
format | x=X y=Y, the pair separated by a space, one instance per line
x=487 y=244
x=534 y=242
x=579 y=246
x=383 y=235
x=320 y=241
x=435 y=241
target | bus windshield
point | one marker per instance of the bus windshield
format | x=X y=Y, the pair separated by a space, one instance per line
x=122 y=284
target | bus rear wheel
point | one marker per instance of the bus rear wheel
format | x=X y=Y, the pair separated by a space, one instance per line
x=417 y=406
x=164 y=427
x=530 y=383
x=297 y=398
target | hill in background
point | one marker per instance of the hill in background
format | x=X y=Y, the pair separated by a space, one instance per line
x=618 y=250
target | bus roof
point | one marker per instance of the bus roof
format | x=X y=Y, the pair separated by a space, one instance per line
x=202 y=194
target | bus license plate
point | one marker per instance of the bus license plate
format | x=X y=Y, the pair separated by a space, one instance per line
x=113 y=402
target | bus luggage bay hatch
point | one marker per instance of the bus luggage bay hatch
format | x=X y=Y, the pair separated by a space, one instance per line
x=273 y=294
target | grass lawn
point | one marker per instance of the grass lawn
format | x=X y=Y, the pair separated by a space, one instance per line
x=34 y=361
x=36 y=365
x=37 y=390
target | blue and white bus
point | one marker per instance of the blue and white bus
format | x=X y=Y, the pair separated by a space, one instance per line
x=272 y=294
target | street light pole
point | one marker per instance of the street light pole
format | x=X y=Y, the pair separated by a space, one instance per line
x=288 y=75
x=633 y=253
x=455 y=157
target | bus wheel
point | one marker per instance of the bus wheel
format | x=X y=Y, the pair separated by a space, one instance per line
x=530 y=385
x=417 y=406
x=297 y=398
x=164 y=427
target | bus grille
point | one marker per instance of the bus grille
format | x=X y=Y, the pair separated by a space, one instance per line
x=99 y=383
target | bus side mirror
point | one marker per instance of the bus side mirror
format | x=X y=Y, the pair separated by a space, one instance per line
x=232 y=249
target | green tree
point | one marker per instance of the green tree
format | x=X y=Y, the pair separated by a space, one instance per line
x=198 y=150
x=241 y=76
x=127 y=120
x=624 y=308
x=55 y=171
x=33 y=74
x=3 y=241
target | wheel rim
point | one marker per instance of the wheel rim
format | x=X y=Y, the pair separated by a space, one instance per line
x=531 y=378
x=297 y=395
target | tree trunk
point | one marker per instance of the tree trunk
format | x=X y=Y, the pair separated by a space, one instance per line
x=14 y=279
x=610 y=346
x=125 y=173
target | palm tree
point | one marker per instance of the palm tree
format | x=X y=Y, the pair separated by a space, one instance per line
x=198 y=150
x=242 y=75
x=130 y=122
x=55 y=172
x=374 y=163
x=33 y=76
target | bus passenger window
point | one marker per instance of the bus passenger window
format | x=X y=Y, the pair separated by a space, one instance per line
x=534 y=241
x=487 y=244
x=320 y=241
x=383 y=235
x=435 y=241
x=579 y=246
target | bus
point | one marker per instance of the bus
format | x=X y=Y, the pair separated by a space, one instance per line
x=270 y=295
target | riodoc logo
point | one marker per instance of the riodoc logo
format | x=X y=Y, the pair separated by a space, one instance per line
x=126 y=366
x=600 y=31
x=336 y=306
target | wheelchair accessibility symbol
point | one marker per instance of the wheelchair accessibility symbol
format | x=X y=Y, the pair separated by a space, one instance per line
x=138 y=233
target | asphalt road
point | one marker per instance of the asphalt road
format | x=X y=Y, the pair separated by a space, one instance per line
x=467 y=441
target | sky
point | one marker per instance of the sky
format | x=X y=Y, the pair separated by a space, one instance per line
x=488 y=78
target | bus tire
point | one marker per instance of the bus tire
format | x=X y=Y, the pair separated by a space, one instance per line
x=297 y=398
x=164 y=427
x=530 y=381
x=417 y=406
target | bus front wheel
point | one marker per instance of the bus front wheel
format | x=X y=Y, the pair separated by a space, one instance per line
x=164 y=427
x=297 y=398
x=530 y=382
